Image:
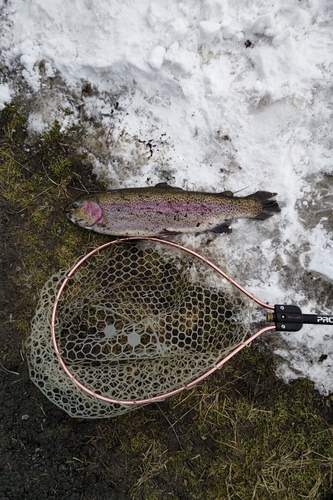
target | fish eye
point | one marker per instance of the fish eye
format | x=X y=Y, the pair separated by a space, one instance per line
x=75 y=204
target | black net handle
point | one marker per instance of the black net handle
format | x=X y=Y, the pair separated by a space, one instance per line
x=291 y=319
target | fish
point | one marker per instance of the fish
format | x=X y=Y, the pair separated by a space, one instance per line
x=166 y=210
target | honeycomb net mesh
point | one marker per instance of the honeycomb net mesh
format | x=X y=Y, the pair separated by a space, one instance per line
x=134 y=321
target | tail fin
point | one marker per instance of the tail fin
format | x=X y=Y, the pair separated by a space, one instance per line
x=269 y=207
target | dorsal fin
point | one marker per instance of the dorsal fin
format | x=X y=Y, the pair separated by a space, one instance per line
x=226 y=193
x=165 y=185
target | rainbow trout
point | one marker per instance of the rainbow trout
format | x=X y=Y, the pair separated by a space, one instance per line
x=162 y=210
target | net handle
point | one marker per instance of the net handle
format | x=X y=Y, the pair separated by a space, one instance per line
x=161 y=397
x=288 y=318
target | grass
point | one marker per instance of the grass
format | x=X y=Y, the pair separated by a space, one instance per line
x=248 y=445
x=247 y=435
x=242 y=434
x=39 y=175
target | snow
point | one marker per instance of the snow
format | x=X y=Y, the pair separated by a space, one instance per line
x=5 y=95
x=213 y=96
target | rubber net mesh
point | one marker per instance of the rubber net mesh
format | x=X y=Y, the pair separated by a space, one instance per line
x=133 y=322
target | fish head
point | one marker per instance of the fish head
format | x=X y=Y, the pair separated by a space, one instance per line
x=85 y=213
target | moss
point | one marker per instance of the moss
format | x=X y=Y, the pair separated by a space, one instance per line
x=61 y=167
x=39 y=175
x=279 y=448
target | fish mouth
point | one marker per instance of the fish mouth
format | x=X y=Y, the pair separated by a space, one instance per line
x=83 y=222
x=69 y=216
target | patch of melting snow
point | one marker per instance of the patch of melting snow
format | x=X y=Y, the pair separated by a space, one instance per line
x=208 y=96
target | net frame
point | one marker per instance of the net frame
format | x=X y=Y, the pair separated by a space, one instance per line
x=162 y=396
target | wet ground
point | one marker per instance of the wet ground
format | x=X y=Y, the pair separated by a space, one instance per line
x=241 y=434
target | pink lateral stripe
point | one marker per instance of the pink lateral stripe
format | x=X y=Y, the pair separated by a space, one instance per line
x=172 y=207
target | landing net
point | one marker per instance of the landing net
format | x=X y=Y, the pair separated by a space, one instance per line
x=132 y=322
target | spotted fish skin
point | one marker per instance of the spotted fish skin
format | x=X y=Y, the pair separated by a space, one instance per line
x=162 y=210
